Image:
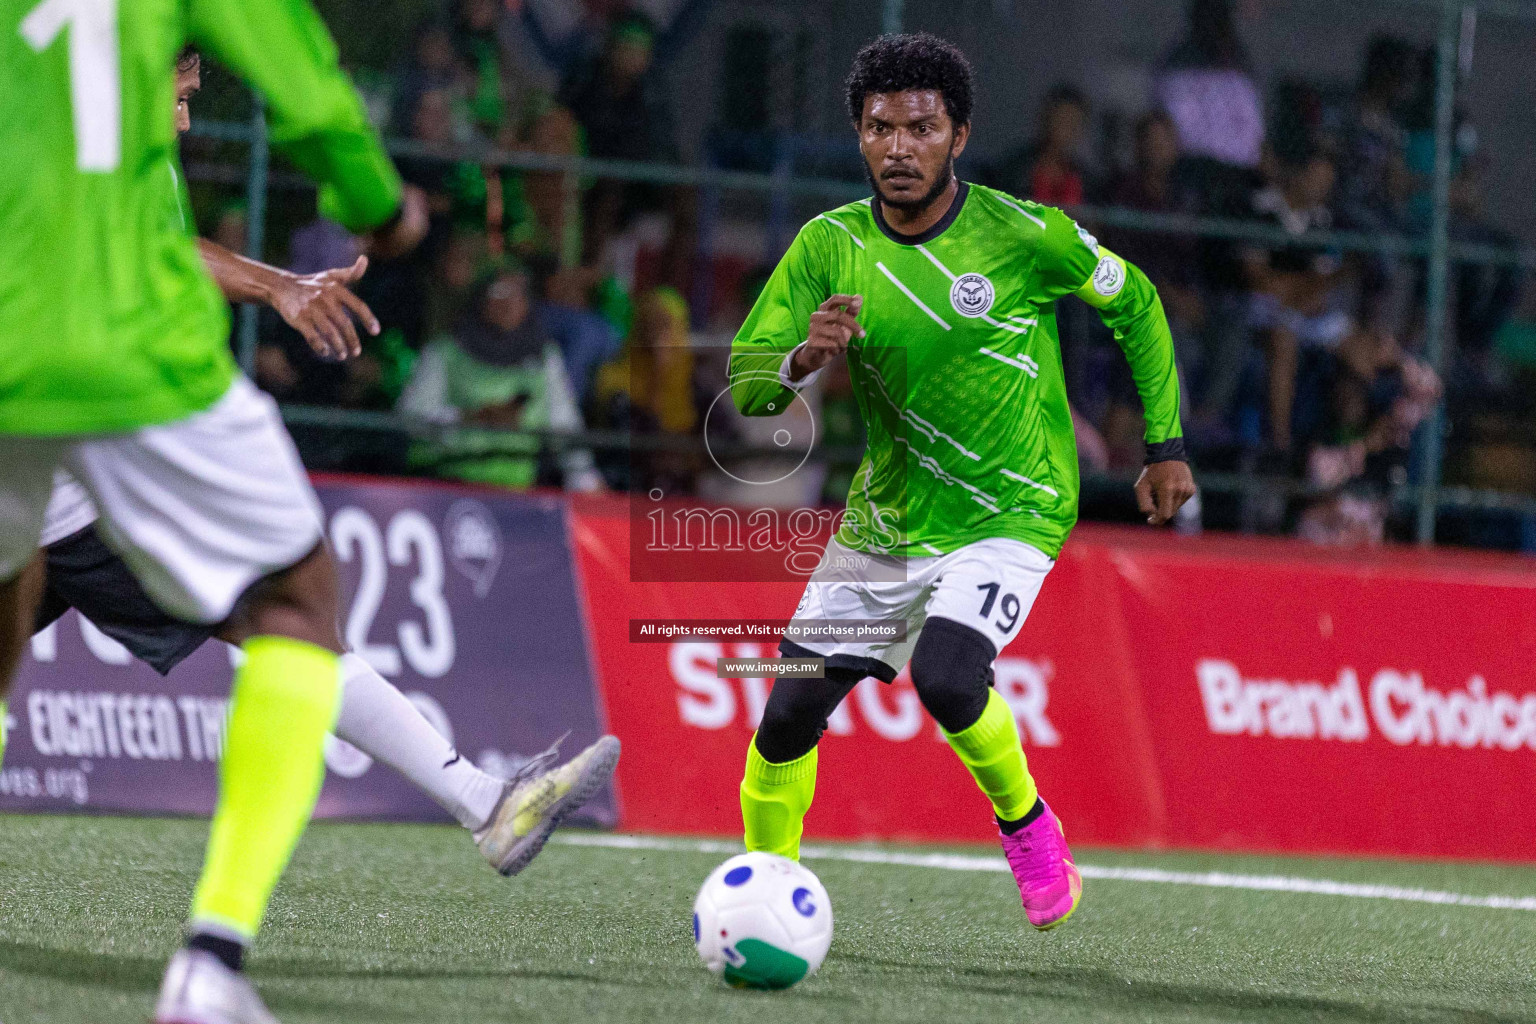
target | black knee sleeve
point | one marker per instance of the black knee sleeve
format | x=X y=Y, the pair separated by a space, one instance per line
x=797 y=709
x=951 y=671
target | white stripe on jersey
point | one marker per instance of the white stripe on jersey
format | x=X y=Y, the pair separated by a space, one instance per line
x=908 y=293
x=1031 y=367
x=856 y=240
x=1006 y=202
x=1021 y=478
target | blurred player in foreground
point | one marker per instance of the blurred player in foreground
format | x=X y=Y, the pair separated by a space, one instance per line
x=942 y=297
x=84 y=573
x=131 y=389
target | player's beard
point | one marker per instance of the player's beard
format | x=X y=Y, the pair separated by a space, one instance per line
x=935 y=190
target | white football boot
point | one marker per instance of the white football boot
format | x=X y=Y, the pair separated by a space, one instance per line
x=199 y=989
x=537 y=797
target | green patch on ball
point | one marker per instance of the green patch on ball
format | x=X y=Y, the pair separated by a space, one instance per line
x=764 y=966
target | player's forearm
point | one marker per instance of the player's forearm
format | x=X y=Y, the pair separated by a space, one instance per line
x=360 y=189
x=756 y=386
x=241 y=279
x=1141 y=329
x=316 y=117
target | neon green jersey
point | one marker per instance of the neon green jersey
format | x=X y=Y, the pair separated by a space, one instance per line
x=108 y=320
x=959 y=377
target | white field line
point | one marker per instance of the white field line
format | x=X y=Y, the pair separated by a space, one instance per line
x=1155 y=876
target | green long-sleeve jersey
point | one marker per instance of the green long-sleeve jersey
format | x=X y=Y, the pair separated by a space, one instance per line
x=108 y=319
x=958 y=377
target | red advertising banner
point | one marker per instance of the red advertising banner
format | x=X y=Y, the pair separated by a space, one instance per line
x=1377 y=705
x=1203 y=693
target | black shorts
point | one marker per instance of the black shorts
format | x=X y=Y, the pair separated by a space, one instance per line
x=85 y=574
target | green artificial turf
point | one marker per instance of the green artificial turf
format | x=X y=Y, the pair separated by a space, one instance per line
x=379 y=924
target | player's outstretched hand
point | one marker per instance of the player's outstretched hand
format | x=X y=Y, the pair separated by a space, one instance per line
x=833 y=325
x=321 y=307
x=1162 y=489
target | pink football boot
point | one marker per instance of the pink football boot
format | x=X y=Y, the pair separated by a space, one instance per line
x=1042 y=865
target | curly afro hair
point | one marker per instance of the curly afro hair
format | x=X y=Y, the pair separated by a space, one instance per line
x=914 y=61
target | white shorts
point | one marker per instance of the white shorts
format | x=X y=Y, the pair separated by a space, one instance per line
x=200 y=508
x=70 y=510
x=989 y=585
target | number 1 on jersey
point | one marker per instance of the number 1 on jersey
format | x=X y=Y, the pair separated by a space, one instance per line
x=95 y=80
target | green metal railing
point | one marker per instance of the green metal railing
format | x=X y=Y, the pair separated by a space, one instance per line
x=1457 y=22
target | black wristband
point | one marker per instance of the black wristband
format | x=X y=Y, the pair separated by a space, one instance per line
x=394 y=219
x=1171 y=450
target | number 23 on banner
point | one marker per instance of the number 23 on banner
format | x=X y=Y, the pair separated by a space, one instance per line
x=428 y=645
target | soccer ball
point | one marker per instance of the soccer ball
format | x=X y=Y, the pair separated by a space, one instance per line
x=762 y=921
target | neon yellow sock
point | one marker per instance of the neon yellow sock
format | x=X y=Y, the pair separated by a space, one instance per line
x=774 y=799
x=991 y=749
x=285 y=699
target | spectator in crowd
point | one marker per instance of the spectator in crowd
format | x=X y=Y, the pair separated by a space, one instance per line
x=433 y=64
x=455 y=273
x=1168 y=259
x=542 y=208
x=498 y=368
x=1374 y=397
x=624 y=112
x=649 y=390
x=1373 y=174
x=1373 y=178
x=568 y=54
x=490 y=94
x=1485 y=294
x=1419 y=141
x=433 y=119
x=1207 y=87
x=652 y=382
x=586 y=339
x=1295 y=288
x=1049 y=169
x=457 y=197
x=618 y=100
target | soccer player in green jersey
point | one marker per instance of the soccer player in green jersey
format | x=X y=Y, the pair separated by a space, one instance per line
x=941 y=296
x=84 y=573
x=114 y=365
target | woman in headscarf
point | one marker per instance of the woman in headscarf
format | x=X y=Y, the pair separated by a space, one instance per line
x=498 y=368
x=649 y=389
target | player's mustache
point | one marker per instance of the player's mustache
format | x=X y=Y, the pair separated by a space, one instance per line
x=899 y=172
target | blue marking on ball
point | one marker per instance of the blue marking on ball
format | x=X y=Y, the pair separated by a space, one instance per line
x=803 y=903
x=695 y=927
x=737 y=876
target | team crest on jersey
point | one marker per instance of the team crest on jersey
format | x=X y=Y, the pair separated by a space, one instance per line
x=1108 y=277
x=971 y=295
